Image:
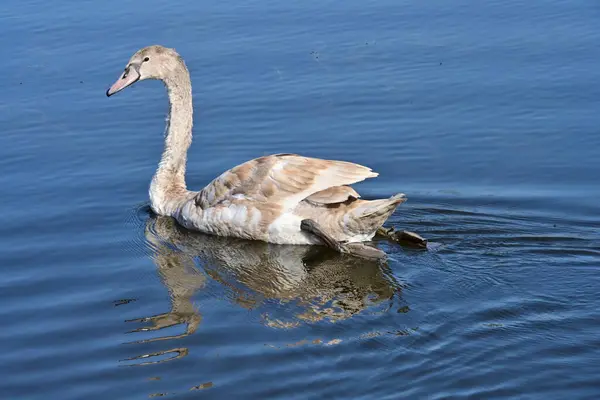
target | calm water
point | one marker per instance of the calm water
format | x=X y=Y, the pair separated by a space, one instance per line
x=486 y=114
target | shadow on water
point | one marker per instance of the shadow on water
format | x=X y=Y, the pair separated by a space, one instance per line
x=287 y=285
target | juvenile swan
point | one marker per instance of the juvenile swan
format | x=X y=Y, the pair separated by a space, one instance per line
x=281 y=198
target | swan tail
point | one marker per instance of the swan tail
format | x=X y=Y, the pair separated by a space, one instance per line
x=370 y=215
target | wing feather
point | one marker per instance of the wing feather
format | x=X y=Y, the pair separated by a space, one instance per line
x=284 y=179
x=333 y=195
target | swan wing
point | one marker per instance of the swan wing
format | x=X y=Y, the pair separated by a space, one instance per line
x=285 y=180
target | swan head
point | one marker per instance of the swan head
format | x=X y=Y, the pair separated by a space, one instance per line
x=152 y=62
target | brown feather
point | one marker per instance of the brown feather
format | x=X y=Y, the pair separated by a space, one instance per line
x=336 y=194
x=284 y=179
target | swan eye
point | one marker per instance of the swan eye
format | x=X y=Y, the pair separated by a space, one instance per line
x=146 y=58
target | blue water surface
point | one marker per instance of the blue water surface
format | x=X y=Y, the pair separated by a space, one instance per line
x=486 y=114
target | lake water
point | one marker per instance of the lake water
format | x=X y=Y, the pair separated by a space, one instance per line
x=486 y=114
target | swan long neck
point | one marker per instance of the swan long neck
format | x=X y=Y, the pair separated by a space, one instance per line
x=168 y=185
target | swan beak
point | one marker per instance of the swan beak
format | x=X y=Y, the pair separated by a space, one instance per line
x=128 y=78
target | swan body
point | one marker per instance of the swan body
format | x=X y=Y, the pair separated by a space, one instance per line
x=262 y=199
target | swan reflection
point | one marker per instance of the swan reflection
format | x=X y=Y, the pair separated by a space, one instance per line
x=287 y=285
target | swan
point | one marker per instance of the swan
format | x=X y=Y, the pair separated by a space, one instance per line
x=280 y=198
